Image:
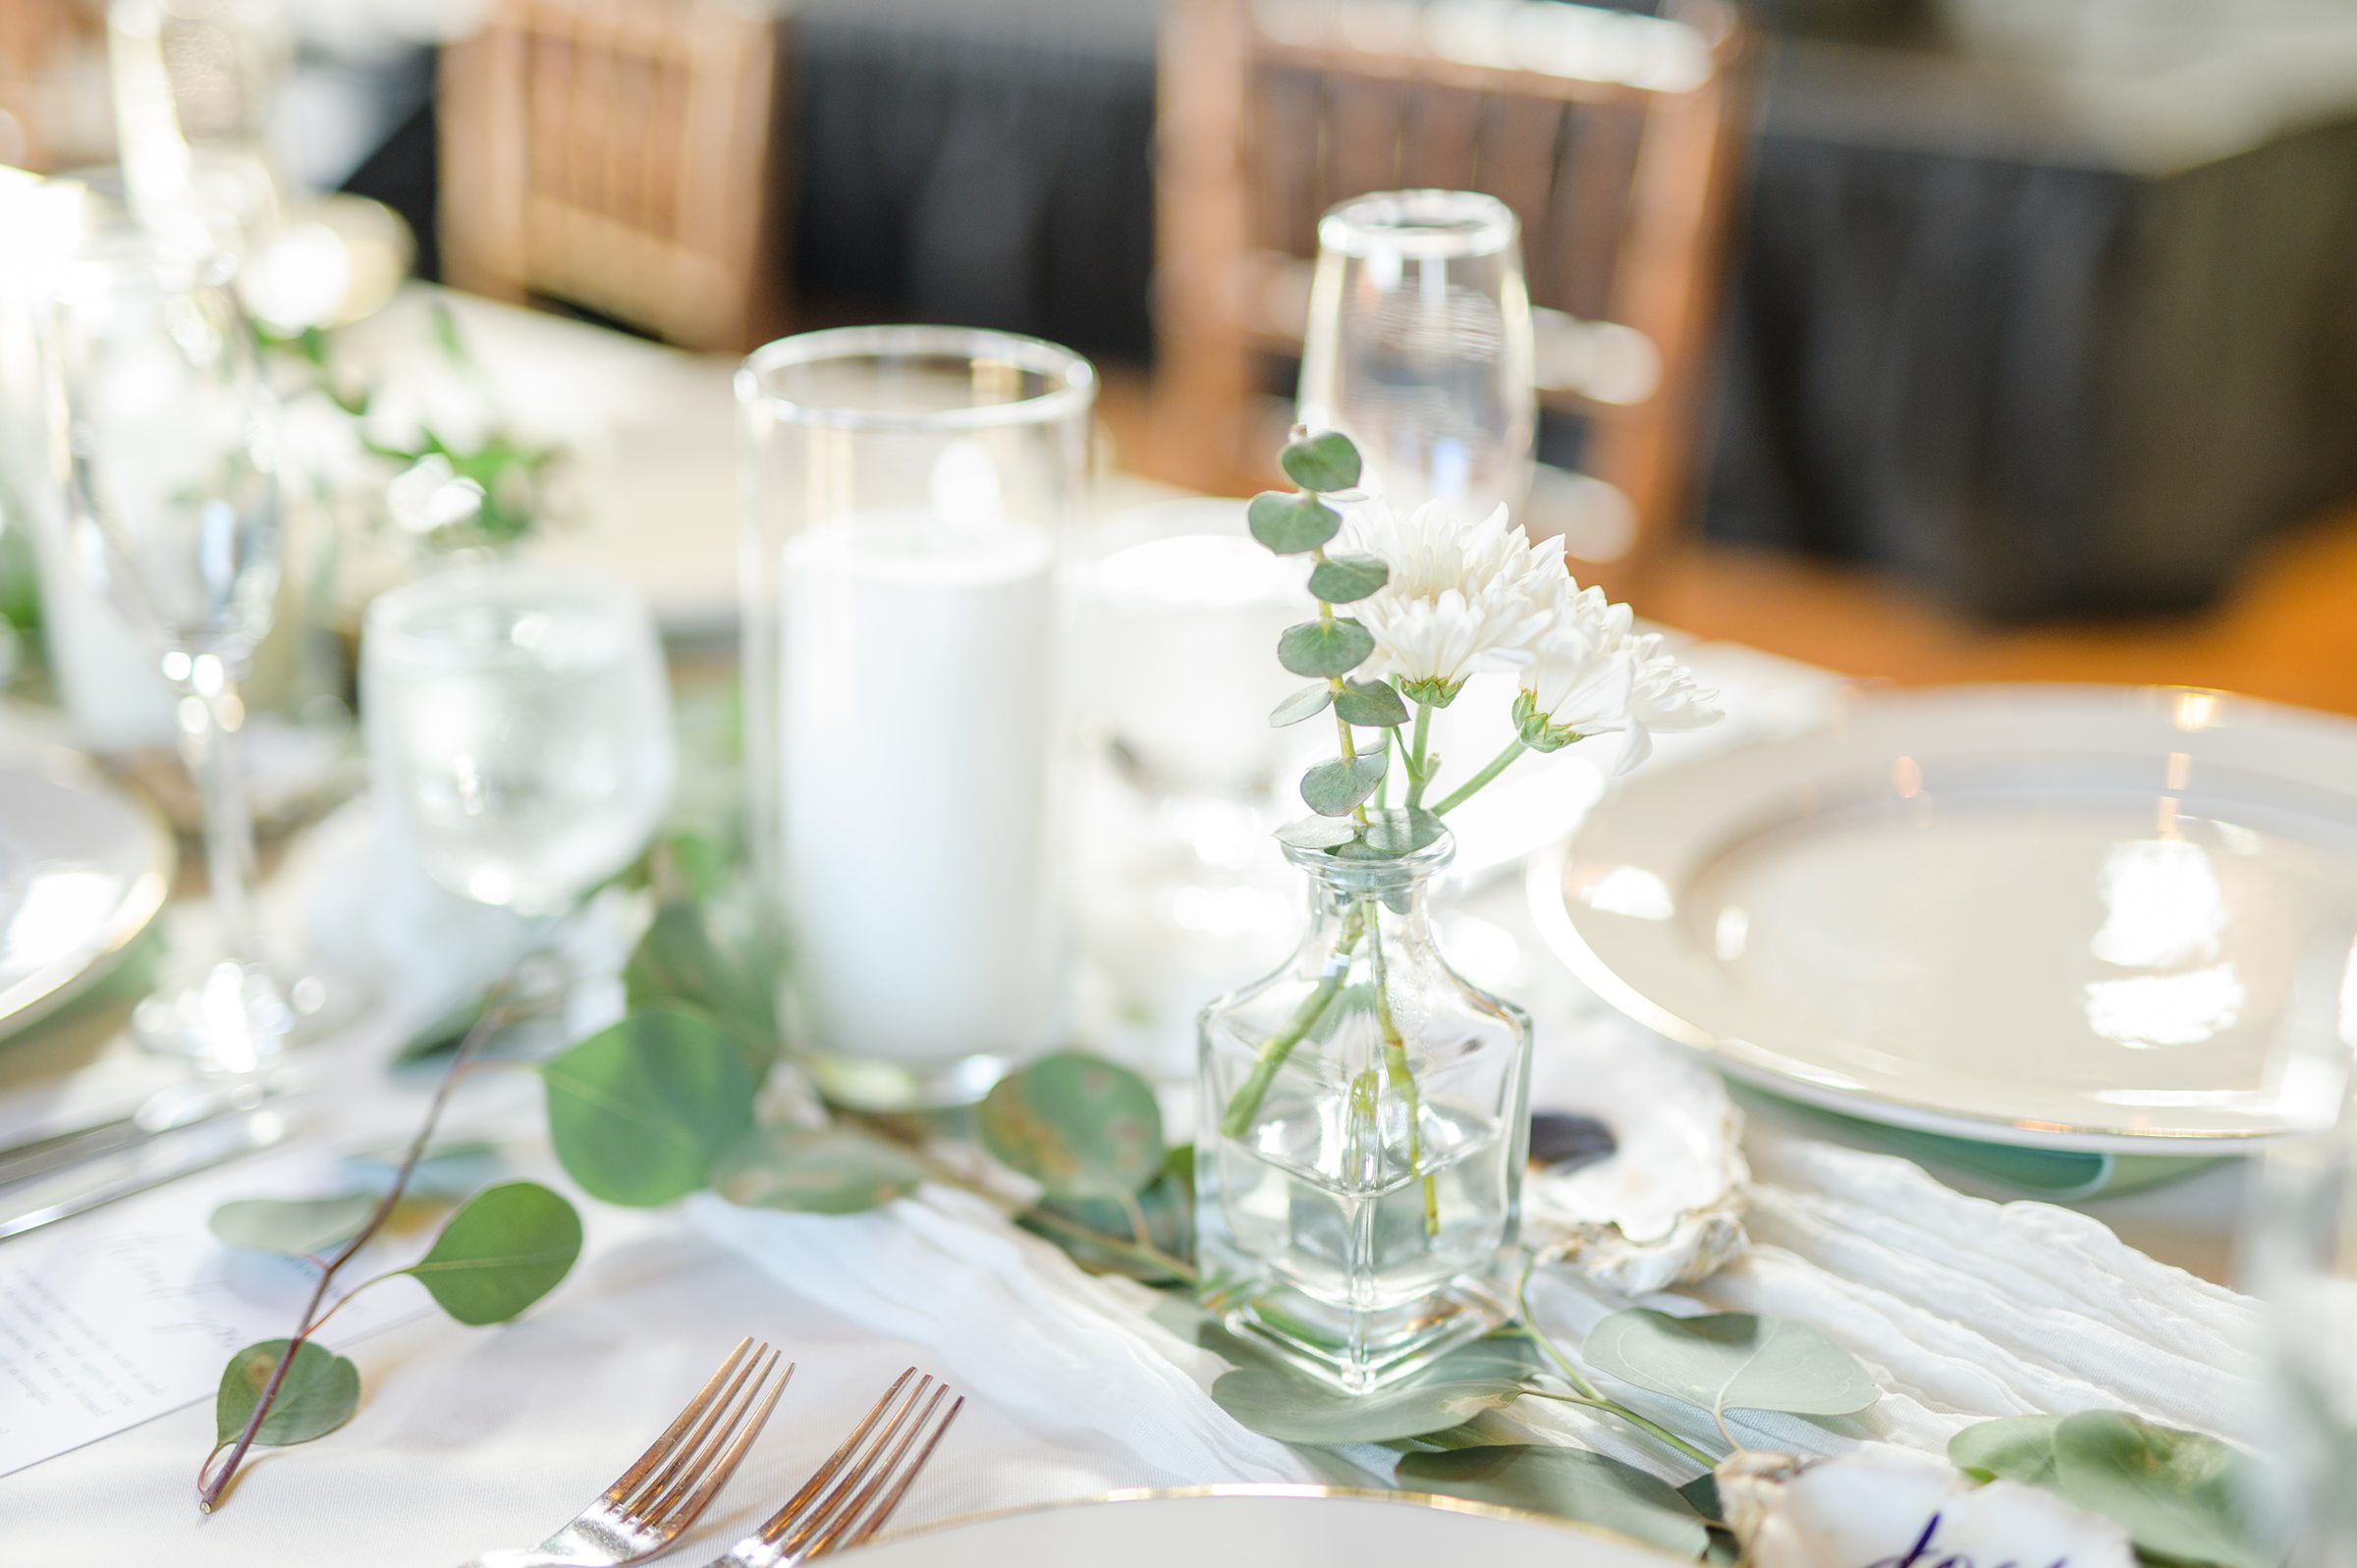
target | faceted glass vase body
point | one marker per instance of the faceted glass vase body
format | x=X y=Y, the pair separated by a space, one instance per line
x=1363 y=1127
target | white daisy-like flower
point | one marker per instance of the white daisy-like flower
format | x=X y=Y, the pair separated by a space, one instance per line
x=1460 y=597
x=1594 y=676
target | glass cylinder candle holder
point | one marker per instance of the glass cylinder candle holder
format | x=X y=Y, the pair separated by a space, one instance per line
x=908 y=491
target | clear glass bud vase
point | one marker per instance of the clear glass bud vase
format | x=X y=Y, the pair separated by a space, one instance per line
x=1363 y=1127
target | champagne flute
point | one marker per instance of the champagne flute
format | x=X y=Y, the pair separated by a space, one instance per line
x=167 y=456
x=1419 y=345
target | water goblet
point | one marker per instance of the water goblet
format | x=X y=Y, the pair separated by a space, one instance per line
x=167 y=459
x=519 y=727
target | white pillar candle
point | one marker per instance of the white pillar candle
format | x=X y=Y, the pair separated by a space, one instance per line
x=917 y=653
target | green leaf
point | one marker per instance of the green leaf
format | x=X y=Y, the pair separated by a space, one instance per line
x=1325 y=462
x=445 y=1170
x=320 y=1392
x=1292 y=525
x=505 y=1249
x=1332 y=789
x=1278 y=1401
x=1702 y=1495
x=2183 y=1496
x=1732 y=1361
x=1167 y=1204
x=1317 y=832
x=1325 y=648
x=638 y=1111
x=1371 y=703
x=1078 y=1124
x=1308 y=703
x=294 y=1226
x=1346 y=579
x=824 y=1170
x=1568 y=1483
x=2013 y=1449
x=1391 y=834
x=696 y=955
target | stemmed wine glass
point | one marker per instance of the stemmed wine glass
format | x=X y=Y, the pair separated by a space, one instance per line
x=167 y=458
x=1419 y=345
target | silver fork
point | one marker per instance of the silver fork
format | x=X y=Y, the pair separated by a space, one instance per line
x=812 y=1525
x=650 y=1503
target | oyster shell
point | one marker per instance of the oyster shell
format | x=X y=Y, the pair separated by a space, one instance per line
x=1666 y=1206
x=1886 y=1504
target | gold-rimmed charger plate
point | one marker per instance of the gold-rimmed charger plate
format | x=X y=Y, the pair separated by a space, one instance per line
x=1258 y=1527
x=2085 y=918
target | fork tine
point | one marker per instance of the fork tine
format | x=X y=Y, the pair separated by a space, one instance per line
x=891 y=1498
x=660 y=1449
x=779 y=1522
x=834 y=1537
x=692 y=1507
x=701 y=1454
x=829 y=1507
x=635 y=1501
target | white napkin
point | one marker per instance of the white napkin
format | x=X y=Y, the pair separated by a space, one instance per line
x=1008 y=1318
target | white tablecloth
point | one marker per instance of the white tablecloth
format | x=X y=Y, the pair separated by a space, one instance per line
x=468 y=1438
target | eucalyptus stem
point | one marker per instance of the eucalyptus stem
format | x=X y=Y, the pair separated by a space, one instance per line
x=1490 y=770
x=1416 y=778
x=210 y=1485
x=1334 y=683
x=1402 y=1077
x=1587 y=1394
x=1244 y=1103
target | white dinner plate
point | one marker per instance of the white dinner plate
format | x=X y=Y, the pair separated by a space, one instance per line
x=2073 y=917
x=84 y=868
x=1259 y=1527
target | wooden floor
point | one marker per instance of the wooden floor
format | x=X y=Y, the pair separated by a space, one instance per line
x=2286 y=630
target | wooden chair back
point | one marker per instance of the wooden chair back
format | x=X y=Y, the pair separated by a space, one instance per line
x=1613 y=135
x=619 y=156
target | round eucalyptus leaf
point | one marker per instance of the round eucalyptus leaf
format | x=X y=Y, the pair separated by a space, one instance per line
x=1306 y=703
x=505 y=1249
x=1732 y=1361
x=2012 y=1448
x=2183 y=1496
x=294 y=1226
x=1325 y=649
x=1346 y=579
x=638 y=1111
x=1371 y=703
x=1325 y=462
x=1390 y=835
x=320 y=1392
x=1292 y=525
x=445 y=1170
x=1078 y=1124
x=1568 y=1483
x=1317 y=832
x=1277 y=1401
x=822 y=1170
x=1332 y=789
x=709 y=956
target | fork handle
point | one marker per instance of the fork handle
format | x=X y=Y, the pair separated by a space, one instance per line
x=531 y=1558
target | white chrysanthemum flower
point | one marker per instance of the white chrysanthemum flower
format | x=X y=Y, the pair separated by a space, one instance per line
x=1460 y=597
x=1594 y=676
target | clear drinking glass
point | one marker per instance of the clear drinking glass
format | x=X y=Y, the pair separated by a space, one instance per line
x=1419 y=345
x=2301 y=1258
x=1363 y=1121
x=518 y=725
x=169 y=466
x=907 y=490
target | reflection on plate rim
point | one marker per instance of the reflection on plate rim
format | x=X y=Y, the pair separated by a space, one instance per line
x=1545 y=882
x=1279 y=1489
x=31 y=999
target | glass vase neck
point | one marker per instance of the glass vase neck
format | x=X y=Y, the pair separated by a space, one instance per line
x=1338 y=879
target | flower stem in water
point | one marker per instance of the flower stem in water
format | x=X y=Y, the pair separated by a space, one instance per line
x=1244 y=1103
x=1402 y=1078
